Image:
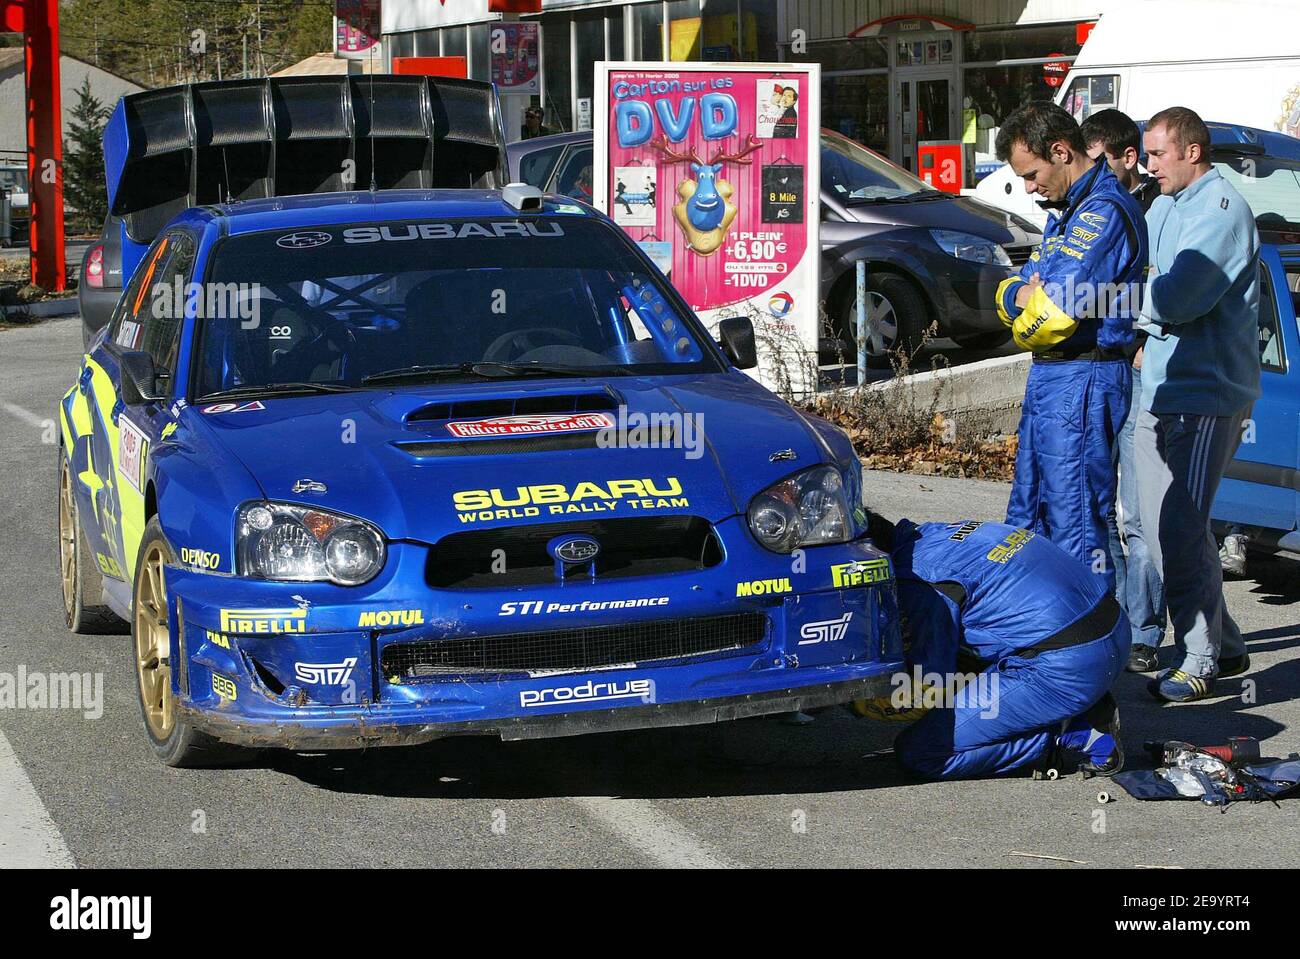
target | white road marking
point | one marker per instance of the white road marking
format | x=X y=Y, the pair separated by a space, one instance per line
x=29 y=839
x=27 y=416
x=652 y=833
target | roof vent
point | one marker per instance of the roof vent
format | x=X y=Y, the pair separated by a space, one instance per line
x=522 y=197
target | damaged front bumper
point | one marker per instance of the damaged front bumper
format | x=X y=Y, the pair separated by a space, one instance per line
x=317 y=666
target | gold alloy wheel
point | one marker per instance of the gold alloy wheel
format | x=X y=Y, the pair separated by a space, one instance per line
x=152 y=643
x=67 y=542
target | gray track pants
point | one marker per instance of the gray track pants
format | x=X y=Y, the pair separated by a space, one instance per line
x=1180 y=460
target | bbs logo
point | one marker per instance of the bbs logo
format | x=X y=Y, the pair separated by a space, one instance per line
x=199 y=558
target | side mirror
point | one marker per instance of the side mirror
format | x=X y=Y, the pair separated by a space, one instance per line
x=736 y=337
x=139 y=380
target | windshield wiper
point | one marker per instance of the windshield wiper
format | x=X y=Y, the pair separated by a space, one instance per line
x=486 y=370
x=270 y=389
x=900 y=198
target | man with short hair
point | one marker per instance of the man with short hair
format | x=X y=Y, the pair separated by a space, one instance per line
x=1112 y=135
x=1072 y=305
x=533 y=124
x=1200 y=377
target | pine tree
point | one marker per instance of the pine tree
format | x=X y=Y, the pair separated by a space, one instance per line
x=84 y=187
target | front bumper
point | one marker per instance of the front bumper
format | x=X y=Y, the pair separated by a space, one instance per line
x=312 y=666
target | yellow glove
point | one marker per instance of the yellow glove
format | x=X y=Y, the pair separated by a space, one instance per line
x=904 y=705
x=1042 y=324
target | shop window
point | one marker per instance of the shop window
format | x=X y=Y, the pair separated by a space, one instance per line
x=647 y=32
x=758 y=30
x=453 y=42
x=858 y=107
x=992 y=93
x=555 y=66
x=934 y=52
x=589 y=37
x=401 y=44
x=480 y=59
x=427 y=44
x=614 y=34
x=1022 y=43
x=865 y=54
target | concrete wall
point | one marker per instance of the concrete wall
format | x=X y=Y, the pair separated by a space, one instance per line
x=13 y=111
x=995 y=387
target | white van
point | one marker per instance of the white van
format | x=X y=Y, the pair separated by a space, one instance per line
x=1234 y=62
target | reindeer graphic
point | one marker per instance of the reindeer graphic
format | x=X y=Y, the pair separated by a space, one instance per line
x=705 y=210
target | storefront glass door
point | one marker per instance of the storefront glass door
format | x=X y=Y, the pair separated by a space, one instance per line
x=925 y=112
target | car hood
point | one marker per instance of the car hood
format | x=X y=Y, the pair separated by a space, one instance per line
x=393 y=458
x=949 y=213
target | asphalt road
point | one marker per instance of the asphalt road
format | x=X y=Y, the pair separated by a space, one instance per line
x=756 y=793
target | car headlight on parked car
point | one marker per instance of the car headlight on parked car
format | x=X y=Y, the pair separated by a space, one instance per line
x=807 y=509
x=300 y=544
x=967 y=246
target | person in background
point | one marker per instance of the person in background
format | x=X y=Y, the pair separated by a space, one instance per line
x=1072 y=305
x=1200 y=378
x=1113 y=136
x=533 y=124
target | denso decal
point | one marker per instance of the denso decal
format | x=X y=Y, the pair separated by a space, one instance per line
x=377 y=618
x=263 y=620
x=451 y=231
x=199 y=558
x=325 y=674
x=530 y=425
x=556 y=499
x=862 y=572
x=132 y=447
x=589 y=692
x=764 y=587
x=826 y=631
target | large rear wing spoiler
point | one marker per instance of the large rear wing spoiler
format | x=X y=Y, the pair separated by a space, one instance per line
x=170 y=149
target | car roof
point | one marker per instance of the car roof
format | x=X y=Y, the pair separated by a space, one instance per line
x=358 y=206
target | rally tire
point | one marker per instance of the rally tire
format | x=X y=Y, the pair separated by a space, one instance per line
x=81 y=582
x=174 y=741
x=899 y=312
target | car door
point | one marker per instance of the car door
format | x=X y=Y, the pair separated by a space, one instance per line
x=148 y=318
x=1260 y=484
x=573 y=174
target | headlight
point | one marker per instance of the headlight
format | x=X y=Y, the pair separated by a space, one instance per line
x=808 y=509
x=965 y=246
x=300 y=544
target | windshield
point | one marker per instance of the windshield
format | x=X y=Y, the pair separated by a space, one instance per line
x=1269 y=185
x=852 y=172
x=341 y=304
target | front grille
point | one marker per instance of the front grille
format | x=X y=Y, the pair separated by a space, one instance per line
x=1019 y=254
x=640 y=546
x=585 y=647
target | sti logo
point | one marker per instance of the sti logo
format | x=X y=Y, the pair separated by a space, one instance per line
x=303 y=240
x=325 y=674
x=826 y=631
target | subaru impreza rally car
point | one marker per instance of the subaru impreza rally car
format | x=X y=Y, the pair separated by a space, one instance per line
x=377 y=467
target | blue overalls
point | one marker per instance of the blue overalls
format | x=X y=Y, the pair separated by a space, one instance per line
x=1092 y=259
x=1053 y=636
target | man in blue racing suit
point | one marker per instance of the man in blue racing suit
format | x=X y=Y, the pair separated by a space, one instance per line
x=1050 y=634
x=1073 y=305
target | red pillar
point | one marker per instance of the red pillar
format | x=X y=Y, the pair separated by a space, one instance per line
x=44 y=142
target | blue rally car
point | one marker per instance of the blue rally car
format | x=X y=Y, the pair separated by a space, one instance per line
x=435 y=458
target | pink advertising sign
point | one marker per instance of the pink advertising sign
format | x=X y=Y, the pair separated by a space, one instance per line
x=713 y=169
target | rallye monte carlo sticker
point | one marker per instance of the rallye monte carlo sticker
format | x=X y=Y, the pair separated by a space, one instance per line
x=530 y=425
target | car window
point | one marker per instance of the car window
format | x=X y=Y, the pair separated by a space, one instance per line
x=162 y=319
x=1091 y=94
x=126 y=329
x=535 y=168
x=574 y=178
x=856 y=175
x=1269 y=185
x=370 y=298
